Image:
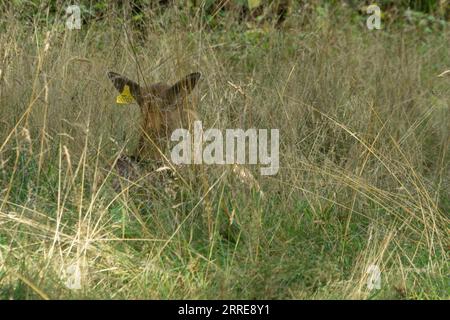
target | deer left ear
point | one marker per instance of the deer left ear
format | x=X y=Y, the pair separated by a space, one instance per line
x=183 y=87
x=128 y=89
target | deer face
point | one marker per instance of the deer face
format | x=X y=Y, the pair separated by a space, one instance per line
x=164 y=108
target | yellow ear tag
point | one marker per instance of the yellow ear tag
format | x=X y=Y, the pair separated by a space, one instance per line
x=125 y=97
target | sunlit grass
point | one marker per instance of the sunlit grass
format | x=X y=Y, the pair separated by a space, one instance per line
x=364 y=177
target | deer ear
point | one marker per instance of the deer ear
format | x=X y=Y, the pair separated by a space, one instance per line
x=128 y=89
x=183 y=87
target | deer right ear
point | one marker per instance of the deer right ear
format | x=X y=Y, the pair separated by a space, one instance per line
x=128 y=89
x=183 y=87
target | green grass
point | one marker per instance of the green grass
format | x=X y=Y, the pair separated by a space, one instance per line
x=364 y=177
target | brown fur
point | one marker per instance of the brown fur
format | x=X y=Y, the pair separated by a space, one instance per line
x=163 y=109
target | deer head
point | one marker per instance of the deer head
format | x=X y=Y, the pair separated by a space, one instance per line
x=164 y=108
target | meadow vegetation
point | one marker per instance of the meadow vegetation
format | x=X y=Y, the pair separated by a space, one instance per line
x=364 y=156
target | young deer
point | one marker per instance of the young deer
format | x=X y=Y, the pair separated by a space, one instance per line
x=163 y=109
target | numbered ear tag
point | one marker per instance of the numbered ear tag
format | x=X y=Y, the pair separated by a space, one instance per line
x=125 y=97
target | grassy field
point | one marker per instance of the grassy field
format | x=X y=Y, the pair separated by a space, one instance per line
x=364 y=160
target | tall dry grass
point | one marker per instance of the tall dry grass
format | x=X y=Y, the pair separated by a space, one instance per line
x=364 y=177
